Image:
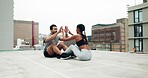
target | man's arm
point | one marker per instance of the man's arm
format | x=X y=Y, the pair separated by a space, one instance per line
x=48 y=38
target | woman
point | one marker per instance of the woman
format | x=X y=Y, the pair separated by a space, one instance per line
x=81 y=49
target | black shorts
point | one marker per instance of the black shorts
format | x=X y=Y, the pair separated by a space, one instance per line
x=49 y=56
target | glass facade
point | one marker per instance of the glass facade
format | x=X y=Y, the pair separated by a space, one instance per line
x=138 y=30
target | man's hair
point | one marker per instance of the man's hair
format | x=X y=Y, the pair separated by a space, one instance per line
x=53 y=25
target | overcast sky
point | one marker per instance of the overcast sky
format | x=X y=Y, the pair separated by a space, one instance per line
x=71 y=12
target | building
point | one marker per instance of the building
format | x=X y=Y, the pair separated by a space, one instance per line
x=91 y=43
x=6 y=24
x=27 y=30
x=111 y=37
x=138 y=25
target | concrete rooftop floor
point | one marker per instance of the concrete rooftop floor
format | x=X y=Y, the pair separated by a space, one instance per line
x=32 y=64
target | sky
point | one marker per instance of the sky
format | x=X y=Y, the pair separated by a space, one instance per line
x=71 y=12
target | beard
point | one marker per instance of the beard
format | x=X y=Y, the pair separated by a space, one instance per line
x=54 y=32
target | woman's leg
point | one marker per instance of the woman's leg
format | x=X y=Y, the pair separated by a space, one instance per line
x=68 y=50
x=84 y=55
x=73 y=49
x=66 y=53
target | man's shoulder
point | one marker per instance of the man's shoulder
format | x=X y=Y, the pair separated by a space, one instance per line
x=57 y=37
x=49 y=34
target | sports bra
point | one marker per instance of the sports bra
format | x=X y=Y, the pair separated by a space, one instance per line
x=81 y=42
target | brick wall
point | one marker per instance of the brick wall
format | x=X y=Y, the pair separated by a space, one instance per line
x=23 y=30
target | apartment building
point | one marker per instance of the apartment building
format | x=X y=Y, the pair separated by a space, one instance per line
x=111 y=37
x=138 y=25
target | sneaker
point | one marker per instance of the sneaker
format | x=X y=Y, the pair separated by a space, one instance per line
x=64 y=55
x=58 y=56
x=73 y=55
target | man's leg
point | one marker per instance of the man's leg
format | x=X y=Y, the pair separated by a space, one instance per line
x=52 y=49
x=62 y=46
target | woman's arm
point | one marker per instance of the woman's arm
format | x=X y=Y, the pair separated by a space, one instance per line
x=67 y=30
x=70 y=32
x=68 y=38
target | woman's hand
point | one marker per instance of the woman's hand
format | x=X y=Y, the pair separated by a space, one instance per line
x=61 y=29
x=67 y=30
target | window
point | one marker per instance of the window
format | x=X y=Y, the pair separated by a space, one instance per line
x=138 y=30
x=138 y=44
x=137 y=16
x=140 y=15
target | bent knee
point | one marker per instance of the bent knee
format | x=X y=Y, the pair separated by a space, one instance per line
x=52 y=45
x=72 y=45
x=61 y=43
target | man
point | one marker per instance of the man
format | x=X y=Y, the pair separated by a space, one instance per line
x=53 y=48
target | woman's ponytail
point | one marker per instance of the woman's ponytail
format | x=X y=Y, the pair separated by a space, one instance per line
x=82 y=29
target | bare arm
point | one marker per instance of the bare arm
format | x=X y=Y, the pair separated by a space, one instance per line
x=68 y=38
x=67 y=30
x=48 y=38
x=70 y=32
